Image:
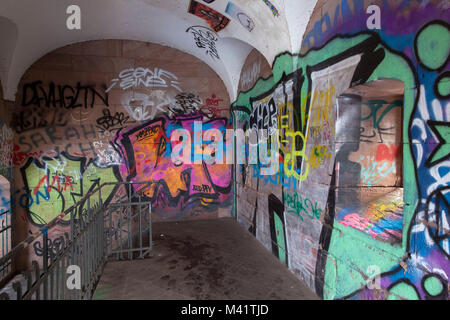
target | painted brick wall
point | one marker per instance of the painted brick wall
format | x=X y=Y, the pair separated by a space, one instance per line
x=362 y=186
x=104 y=111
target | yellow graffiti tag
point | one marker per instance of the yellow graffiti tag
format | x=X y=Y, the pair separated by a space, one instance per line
x=305 y=117
x=321 y=108
x=318 y=154
x=292 y=156
x=285 y=114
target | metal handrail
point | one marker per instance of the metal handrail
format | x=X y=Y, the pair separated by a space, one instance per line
x=5 y=240
x=25 y=243
x=4 y=212
x=78 y=230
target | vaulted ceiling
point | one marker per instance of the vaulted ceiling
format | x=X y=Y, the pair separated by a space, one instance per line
x=29 y=29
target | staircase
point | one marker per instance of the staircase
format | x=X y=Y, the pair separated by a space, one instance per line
x=98 y=232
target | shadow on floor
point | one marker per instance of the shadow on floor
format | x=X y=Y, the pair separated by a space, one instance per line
x=202 y=260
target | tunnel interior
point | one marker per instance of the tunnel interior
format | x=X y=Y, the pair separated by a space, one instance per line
x=320 y=130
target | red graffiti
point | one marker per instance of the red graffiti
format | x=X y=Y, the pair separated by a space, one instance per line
x=213 y=102
x=66 y=180
x=20 y=157
x=387 y=152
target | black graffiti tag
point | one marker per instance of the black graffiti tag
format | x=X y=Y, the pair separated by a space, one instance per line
x=109 y=122
x=205 y=38
x=35 y=118
x=61 y=96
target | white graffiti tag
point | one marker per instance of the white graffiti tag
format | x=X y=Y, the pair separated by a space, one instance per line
x=140 y=106
x=135 y=77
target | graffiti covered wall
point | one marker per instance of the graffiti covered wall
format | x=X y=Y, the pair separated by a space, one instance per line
x=6 y=169
x=105 y=111
x=6 y=138
x=358 y=206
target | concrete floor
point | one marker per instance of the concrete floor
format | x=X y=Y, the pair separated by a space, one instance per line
x=202 y=260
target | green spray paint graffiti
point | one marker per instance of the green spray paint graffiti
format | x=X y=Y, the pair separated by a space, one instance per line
x=302 y=206
x=334 y=53
x=344 y=253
